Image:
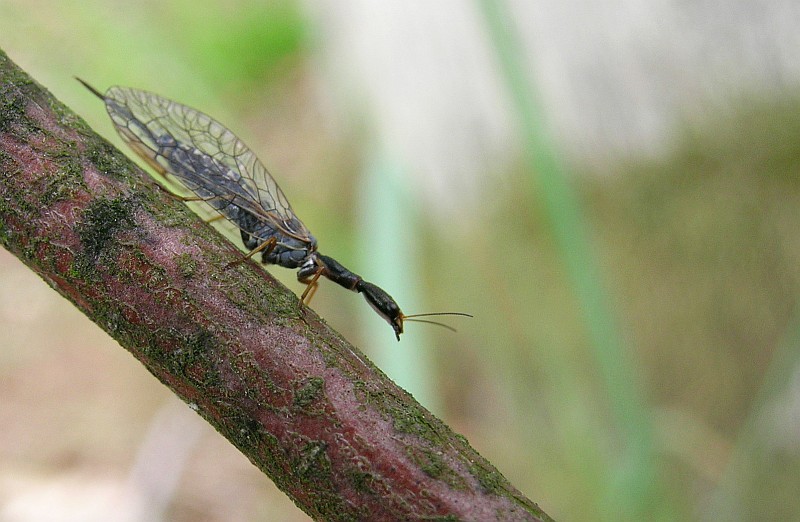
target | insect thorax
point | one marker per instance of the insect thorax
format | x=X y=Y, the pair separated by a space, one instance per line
x=288 y=252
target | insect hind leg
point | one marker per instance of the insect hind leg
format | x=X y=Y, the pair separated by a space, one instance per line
x=196 y=199
x=193 y=199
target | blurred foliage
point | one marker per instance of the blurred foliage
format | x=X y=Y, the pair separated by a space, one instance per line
x=704 y=250
x=241 y=46
x=703 y=247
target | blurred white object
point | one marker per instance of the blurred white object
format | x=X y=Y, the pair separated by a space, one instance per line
x=87 y=495
x=420 y=77
x=614 y=77
x=73 y=497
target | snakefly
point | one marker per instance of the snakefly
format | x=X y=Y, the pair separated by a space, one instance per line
x=210 y=161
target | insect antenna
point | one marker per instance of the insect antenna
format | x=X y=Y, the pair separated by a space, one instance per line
x=415 y=318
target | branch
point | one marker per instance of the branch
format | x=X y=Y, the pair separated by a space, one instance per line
x=305 y=406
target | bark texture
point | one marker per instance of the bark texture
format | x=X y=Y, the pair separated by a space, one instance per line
x=305 y=406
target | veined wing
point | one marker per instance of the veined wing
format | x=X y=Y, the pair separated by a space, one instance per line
x=204 y=156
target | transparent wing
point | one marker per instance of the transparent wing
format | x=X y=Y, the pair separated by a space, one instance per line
x=204 y=156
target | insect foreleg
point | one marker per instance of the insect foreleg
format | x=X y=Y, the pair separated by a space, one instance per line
x=311 y=284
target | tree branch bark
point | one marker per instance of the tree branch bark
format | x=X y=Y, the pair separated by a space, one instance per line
x=305 y=406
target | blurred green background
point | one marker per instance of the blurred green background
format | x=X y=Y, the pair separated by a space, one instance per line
x=634 y=351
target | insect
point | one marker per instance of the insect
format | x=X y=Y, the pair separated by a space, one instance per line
x=210 y=161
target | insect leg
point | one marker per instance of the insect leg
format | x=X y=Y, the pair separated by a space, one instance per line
x=311 y=285
x=183 y=199
x=330 y=268
x=197 y=198
x=267 y=245
x=191 y=199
